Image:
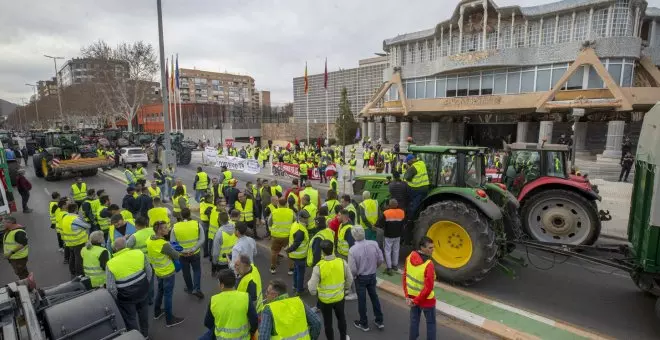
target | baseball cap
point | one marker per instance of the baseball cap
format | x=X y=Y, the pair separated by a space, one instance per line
x=410 y=158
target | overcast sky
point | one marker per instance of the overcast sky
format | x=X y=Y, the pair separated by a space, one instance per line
x=269 y=40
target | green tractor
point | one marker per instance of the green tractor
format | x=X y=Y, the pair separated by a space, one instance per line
x=182 y=148
x=469 y=219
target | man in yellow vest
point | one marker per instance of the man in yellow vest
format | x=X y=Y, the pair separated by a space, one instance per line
x=138 y=241
x=314 y=197
x=249 y=280
x=280 y=221
x=154 y=190
x=418 y=181
x=201 y=183
x=59 y=215
x=140 y=175
x=74 y=235
x=226 y=176
x=331 y=278
x=79 y=191
x=190 y=235
x=223 y=242
x=297 y=250
x=312 y=210
x=95 y=257
x=127 y=279
x=302 y=169
x=418 y=288
x=15 y=246
x=90 y=207
x=286 y=317
x=53 y=208
x=368 y=211
x=351 y=167
x=246 y=206
x=205 y=208
x=162 y=255
x=230 y=314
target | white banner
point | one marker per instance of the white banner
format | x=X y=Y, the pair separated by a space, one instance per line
x=250 y=166
x=210 y=154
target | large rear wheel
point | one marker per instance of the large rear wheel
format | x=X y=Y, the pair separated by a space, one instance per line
x=465 y=249
x=561 y=216
x=36 y=164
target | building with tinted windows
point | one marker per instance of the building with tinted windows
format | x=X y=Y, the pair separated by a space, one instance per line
x=489 y=74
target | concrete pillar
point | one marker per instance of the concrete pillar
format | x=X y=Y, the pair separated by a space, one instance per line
x=580 y=136
x=545 y=131
x=381 y=130
x=435 y=133
x=404 y=133
x=371 y=127
x=363 y=129
x=521 y=132
x=615 y=130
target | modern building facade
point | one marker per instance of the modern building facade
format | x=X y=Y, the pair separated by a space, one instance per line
x=586 y=68
x=81 y=70
x=47 y=88
x=360 y=82
x=237 y=91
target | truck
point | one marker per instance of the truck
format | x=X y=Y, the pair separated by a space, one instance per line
x=65 y=154
x=70 y=310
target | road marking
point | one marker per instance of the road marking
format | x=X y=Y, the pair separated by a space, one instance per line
x=460 y=314
x=47 y=192
x=524 y=313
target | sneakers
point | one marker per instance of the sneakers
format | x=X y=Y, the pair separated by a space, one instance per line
x=175 y=321
x=290 y=272
x=360 y=326
x=350 y=297
x=388 y=272
x=272 y=270
x=158 y=314
x=380 y=325
x=198 y=294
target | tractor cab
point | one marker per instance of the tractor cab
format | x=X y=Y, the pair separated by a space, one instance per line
x=526 y=162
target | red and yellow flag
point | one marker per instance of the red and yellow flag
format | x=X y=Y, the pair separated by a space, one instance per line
x=171 y=80
x=306 y=80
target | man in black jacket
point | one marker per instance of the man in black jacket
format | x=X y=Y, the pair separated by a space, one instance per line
x=626 y=164
x=129 y=202
x=144 y=202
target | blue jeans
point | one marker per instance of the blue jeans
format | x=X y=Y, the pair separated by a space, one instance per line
x=415 y=318
x=199 y=194
x=299 y=275
x=192 y=284
x=209 y=335
x=165 y=291
x=164 y=192
x=366 y=284
x=416 y=197
x=150 y=295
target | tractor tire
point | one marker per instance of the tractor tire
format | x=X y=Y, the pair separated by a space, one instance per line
x=561 y=216
x=36 y=163
x=468 y=235
x=186 y=157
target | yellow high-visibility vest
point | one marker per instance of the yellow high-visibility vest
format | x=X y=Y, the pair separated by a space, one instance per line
x=331 y=285
x=154 y=192
x=282 y=219
x=421 y=177
x=162 y=264
x=301 y=251
x=158 y=214
x=415 y=278
x=228 y=242
x=9 y=244
x=187 y=234
x=229 y=311
x=253 y=276
x=202 y=181
x=247 y=214
x=79 y=194
x=289 y=319
x=92 y=265
x=70 y=237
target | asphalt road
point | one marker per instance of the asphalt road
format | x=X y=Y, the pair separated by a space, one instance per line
x=577 y=292
x=46 y=263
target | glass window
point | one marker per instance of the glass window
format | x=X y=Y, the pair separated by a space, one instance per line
x=486 y=84
x=622 y=19
x=543 y=80
x=594 y=79
x=404 y=55
x=451 y=86
x=599 y=23
x=409 y=90
x=454 y=43
x=564 y=29
x=473 y=175
x=581 y=21
x=615 y=72
x=627 y=75
x=448 y=170
x=445 y=45
x=557 y=73
x=431 y=48
x=555 y=164
x=533 y=33
x=527 y=82
x=422 y=51
x=499 y=87
x=518 y=35
x=491 y=40
x=440 y=88
x=411 y=54
x=473 y=89
x=575 y=81
x=513 y=82
x=432 y=162
x=462 y=89
x=419 y=92
x=548 y=33
x=430 y=88
x=506 y=35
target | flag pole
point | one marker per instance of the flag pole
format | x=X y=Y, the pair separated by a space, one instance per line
x=327 y=115
x=180 y=114
x=307 y=109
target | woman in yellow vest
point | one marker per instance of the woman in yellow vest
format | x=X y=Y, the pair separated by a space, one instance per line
x=230 y=314
x=95 y=256
x=179 y=201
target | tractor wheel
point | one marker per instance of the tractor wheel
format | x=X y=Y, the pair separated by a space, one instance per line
x=561 y=216
x=36 y=162
x=465 y=249
x=186 y=157
x=47 y=170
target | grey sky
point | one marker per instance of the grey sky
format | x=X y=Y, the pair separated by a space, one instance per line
x=267 y=39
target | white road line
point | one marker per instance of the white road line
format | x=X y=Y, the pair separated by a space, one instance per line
x=47 y=192
x=524 y=313
x=460 y=314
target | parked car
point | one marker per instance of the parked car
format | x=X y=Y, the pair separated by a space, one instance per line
x=133 y=156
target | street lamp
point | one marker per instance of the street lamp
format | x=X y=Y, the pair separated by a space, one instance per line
x=57 y=84
x=36 y=99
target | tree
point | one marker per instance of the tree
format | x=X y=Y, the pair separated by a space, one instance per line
x=345 y=125
x=125 y=78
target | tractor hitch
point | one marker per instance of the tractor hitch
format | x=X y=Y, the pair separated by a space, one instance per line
x=604 y=215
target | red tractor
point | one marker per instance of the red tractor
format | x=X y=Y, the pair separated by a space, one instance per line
x=555 y=205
